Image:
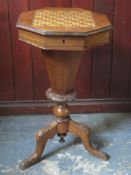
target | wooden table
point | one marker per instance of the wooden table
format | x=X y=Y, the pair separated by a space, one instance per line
x=63 y=34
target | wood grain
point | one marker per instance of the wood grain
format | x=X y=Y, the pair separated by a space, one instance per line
x=62 y=69
x=6 y=71
x=120 y=69
x=22 y=63
x=62 y=3
x=40 y=77
x=83 y=83
x=121 y=65
x=86 y=4
x=42 y=137
x=102 y=56
x=37 y=4
x=79 y=106
x=82 y=131
x=65 y=42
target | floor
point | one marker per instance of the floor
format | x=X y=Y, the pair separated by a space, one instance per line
x=111 y=133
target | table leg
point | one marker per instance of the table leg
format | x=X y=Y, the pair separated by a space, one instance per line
x=84 y=133
x=42 y=137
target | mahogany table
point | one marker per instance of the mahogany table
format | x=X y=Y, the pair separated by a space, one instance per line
x=62 y=34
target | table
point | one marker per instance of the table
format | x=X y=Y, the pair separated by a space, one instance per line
x=63 y=34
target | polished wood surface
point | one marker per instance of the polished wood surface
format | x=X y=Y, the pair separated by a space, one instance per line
x=63 y=21
x=42 y=137
x=83 y=132
x=63 y=29
x=62 y=66
x=99 y=75
x=64 y=42
x=61 y=127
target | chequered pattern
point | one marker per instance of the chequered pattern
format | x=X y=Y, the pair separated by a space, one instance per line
x=63 y=18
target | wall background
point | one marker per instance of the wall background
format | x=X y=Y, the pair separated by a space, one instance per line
x=105 y=72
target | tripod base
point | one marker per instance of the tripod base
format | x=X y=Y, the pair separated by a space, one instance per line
x=56 y=127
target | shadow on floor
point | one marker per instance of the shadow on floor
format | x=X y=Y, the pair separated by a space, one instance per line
x=111 y=123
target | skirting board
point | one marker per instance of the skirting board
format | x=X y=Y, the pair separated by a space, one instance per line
x=79 y=106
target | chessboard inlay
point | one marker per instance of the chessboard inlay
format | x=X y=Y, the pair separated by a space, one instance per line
x=63 y=18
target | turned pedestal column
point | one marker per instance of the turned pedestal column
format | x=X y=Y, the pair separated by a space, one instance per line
x=62 y=34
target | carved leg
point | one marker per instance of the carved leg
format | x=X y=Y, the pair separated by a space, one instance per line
x=42 y=137
x=84 y=133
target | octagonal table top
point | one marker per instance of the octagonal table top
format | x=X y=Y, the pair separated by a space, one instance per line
x=63 y=22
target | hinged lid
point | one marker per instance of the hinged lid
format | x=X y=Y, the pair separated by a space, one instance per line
x=63 y=21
